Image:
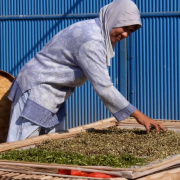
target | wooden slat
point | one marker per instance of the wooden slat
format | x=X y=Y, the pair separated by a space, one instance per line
x=3 y=173
x=13 y=165
x=47 y=174
x=29 y=176
x=20 y=176
x=117 y=179
x=47 y=177
x=26 y=168
x=57 y=178
x=10 y=174
x=37 y=177
x=25 y=165
x=168 y=163
x=167 y=175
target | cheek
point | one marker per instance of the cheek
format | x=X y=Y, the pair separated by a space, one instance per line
x=119 y=31
x=116 y=32
x=113 y=39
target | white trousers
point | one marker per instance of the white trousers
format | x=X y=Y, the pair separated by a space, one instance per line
x=21 y=128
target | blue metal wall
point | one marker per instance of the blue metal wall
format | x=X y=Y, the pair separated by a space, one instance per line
x=154 y=60
x=153 y=53
x=23 y=36
x=47 y=7
x=158 y=5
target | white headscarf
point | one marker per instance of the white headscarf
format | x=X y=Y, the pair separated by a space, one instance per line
x=119 y=13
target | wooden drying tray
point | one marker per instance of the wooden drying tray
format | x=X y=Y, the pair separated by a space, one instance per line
x=102 y=124
x=4 y=175
x=166 y=175
x=10 y=174
x=128 y=173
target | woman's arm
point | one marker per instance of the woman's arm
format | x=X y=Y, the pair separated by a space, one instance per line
x=92 y=60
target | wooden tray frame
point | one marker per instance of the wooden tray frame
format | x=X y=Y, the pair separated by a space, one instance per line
x=170 y=166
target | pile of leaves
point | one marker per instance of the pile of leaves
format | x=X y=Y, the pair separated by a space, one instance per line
x=44 y=156
x=111 y=147
x=117 y=141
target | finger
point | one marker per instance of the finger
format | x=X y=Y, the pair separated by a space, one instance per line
x=156 y=127
x=147 y=128
x=162 y=127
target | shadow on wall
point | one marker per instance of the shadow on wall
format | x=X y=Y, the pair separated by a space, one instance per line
x=51 y=30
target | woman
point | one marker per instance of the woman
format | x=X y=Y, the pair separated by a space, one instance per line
x=80 y=52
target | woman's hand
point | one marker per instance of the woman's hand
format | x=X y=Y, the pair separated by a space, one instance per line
x=147 y=122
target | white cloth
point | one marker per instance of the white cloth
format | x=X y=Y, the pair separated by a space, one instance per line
x=119 y=13
x=21 y=128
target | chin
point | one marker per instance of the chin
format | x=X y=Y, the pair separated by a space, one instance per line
x=113 y=46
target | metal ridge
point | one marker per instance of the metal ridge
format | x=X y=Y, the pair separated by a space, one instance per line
x=87 y=15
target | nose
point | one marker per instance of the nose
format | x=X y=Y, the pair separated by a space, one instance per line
x=125 y=34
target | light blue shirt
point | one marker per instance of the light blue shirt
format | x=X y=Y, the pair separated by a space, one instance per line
x=68 y=60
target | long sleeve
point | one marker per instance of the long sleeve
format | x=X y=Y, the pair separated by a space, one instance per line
x=92 y=60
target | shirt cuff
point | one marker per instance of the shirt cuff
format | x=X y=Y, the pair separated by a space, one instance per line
x=124 y=113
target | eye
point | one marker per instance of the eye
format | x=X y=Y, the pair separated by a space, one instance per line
x=129 y=29
x=132 y=28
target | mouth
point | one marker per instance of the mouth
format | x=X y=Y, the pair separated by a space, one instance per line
x=118 y=38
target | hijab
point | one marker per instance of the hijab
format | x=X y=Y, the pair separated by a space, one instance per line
x=119 y=13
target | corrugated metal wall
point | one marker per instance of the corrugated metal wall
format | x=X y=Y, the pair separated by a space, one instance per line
x=153 y=53
x=46 y=7
x=154 y=60
x=23 y=36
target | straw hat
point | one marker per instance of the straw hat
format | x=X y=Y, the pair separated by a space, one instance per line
x=5 y=104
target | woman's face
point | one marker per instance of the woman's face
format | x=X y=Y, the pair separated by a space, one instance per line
x=117 y=34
